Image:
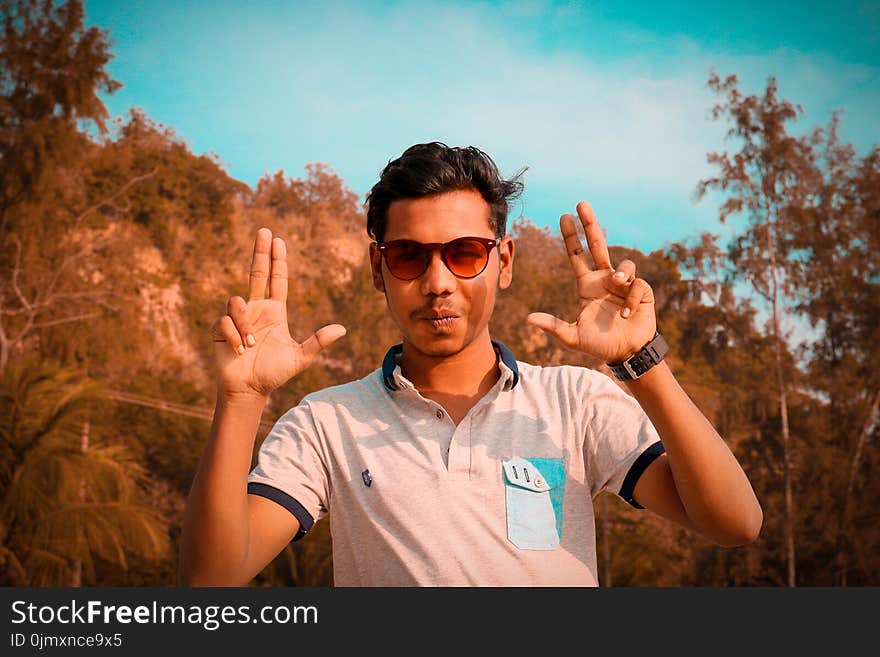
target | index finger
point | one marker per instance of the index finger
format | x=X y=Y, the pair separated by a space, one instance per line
x=260 y=265
x=573 y=245
x=278 y=279
x=595 y=238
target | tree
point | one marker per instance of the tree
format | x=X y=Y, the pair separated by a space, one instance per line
x=51 y=71
x=723 y=356
x=319 y=202
x=48 y=281
x=66 y=501
x=770 y=174
x=837 y=239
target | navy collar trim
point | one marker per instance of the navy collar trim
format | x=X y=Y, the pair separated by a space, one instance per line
x=390 y=362
x=388 y=365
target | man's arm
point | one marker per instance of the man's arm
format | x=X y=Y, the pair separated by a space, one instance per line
x=698 y=481
x=228 y=535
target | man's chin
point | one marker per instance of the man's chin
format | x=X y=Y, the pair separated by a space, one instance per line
x=437 y=346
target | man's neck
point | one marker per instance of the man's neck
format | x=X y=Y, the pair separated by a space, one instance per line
x=470 y=373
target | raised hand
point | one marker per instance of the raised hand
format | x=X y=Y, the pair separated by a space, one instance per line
x=253 y=350
x=616 y=316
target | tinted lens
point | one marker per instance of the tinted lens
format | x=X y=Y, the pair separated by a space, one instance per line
x=466 y=257
x=405 y=259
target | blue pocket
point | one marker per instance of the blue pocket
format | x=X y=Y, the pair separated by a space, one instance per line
x=534 y=490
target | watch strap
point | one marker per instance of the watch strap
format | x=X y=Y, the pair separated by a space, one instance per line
x=643 y=360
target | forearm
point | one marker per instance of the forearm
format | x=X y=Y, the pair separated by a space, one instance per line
x=215 y=538
x=712 y=487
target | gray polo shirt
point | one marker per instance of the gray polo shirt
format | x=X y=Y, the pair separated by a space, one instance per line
x=505 y=498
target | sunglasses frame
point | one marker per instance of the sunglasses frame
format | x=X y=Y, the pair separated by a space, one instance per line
x=488 y=243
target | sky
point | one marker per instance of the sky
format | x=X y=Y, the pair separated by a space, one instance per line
x=601 y=101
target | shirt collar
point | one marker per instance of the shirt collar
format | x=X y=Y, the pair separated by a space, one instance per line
x=394 y=379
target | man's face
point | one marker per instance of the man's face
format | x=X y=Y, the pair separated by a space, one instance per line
x=438 y=313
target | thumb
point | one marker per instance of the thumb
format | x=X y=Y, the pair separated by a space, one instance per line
x=323 y=337
x=565 y=331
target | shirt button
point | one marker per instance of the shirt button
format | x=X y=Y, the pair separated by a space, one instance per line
x=439 y=414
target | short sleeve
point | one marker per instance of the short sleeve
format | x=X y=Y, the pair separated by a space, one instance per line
x=290 y=469
x=620 y=442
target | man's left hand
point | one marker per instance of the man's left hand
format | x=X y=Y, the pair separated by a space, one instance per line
x=616 y=309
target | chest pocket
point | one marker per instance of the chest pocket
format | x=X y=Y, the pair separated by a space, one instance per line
x=534 y=491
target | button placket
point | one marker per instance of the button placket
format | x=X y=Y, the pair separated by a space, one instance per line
x=458 y=456
x=445 y=432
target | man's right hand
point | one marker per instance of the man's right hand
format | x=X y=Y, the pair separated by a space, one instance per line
x=253 y=351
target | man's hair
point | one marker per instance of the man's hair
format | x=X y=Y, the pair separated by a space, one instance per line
x=434 y=168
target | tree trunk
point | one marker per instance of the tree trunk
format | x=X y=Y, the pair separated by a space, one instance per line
x=783 y=414
x=842 y=532
x=786 y=464
x=76 y=579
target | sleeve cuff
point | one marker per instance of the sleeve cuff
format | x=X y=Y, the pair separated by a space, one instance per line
x=638 y=467
x=280 y=497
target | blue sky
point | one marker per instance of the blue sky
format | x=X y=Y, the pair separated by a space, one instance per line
x=603 y=101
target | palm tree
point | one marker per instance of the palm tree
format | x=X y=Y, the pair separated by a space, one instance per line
x=65 y=501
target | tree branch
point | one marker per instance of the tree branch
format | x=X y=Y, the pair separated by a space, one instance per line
x=64 y=320
x=109 y=201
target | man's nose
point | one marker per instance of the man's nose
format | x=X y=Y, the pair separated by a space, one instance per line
x=437 y=279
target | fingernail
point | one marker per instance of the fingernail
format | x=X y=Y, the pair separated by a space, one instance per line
x=240 y=349
x=251 y=340
x=620 y=276
x=625 y=312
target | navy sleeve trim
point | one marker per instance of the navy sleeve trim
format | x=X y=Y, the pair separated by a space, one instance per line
x=645 y=459
x=280 y=497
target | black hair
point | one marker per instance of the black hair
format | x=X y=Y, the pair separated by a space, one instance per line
x=435 y=168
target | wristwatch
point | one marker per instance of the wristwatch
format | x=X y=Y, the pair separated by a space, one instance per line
x=641 y=361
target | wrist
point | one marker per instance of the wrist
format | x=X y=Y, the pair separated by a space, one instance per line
x=655 y=378
x=642 y=361
x=241 y=399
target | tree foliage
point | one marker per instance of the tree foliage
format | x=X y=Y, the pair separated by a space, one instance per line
x=52 y=70
x=65 y=500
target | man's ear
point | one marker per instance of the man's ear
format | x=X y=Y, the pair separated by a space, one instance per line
x=376 y=266
x=505 y=253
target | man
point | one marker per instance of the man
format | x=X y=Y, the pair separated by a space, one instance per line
x=453 y=463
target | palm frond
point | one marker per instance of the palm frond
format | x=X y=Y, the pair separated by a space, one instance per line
x=73 y=498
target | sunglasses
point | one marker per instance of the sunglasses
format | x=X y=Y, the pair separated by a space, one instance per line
x=466 y=257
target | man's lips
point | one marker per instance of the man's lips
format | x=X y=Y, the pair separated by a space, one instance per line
x=438 y=319
x=442 y=324
x=436 y=314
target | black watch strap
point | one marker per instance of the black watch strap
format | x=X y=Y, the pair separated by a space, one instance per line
x=643 y=360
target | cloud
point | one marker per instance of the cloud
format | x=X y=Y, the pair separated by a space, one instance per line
x=354 y=81
x=271 y=87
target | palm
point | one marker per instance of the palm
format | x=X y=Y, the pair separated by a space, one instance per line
x=601 y=329
x=275 y=358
